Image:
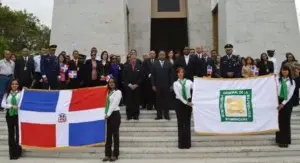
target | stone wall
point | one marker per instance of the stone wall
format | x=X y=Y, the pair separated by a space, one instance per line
x=199 y=23
x=139 y=25
x=253 y=26
x=80 y=25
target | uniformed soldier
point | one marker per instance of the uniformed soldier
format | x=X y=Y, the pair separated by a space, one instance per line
x=50 y=69
x=230 y=66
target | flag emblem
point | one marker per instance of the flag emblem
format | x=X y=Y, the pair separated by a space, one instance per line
x=62 y=118
x=72 y=74
x=236 y=105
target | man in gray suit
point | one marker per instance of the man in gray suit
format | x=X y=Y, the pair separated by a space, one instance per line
x=162 y=80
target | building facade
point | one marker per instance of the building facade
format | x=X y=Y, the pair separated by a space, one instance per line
x=252 y=26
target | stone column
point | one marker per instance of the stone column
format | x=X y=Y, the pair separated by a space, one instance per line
x=199 y=17
x=253 y=26
x=81 y=25
x=139 y=25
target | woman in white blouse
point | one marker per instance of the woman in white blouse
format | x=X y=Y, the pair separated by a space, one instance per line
x=113 y=117
x=182 y=89
x=10 y=103
x=286 y=87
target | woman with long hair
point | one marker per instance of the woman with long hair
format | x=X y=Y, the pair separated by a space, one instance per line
x=286 y=87
x=290 y=61
x=104 y=68
x=182 y=88
x=246 y=70
x=113 y=117
x=217 y=73
x=10 y=103
x=171 y=56
x=63 y=71
x=265 y=66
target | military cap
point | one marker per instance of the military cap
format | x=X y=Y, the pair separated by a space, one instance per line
x=228 y=46
x=53 y=46
x=270 y=53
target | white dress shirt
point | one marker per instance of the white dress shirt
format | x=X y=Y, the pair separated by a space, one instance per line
x=6 y=101
x=7 y=67
x=114 y=100
x=291 y=89
x=186 y=58
x=161 y=63
x=178 y=90
x=37 y=63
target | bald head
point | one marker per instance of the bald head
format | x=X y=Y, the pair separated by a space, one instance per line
x=25 y=52
x=199 y=49
x=7 y=54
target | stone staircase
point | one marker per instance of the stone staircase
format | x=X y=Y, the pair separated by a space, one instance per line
x=150 y=139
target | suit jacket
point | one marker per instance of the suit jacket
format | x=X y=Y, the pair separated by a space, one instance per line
x=265 y=69
x=162 y=76
x=50 y=67
x=148 y=66
x=202 y=66
x=231 y=64
x=190 y=69
x=130 y=76
x=24 y=75
x=79 y=68
x=104 y=69
x=88 y=68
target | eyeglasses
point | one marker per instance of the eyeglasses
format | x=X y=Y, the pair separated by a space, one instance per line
x=114 y=58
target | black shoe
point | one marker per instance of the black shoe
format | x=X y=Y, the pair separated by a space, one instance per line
x=13 y=158
x=128 y=119
x=167 y=118
x=136 y=118
x=283 y=145
x=106 y=159
x=113 y=159
x=158 y=118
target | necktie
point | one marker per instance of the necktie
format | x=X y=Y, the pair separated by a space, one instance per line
x=107 y=102
x=284 y=90
x=132 y=65
x=12 y=111
x=183 y=89
x=76 y=62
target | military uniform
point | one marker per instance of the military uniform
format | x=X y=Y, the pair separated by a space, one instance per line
x=230 y=63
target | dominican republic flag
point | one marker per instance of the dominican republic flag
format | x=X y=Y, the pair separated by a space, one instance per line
x=108 y=77
x=67 y=118
x=72 y=74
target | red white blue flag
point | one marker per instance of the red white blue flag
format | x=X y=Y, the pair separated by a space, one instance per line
x=66 y=118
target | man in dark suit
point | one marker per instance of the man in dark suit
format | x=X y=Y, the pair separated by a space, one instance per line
x=24 y=69
x=230 y=65
x=133 y=78
x=150 y=94
x=206 y=65
x=188 y=62
x=50 y=69
x=75 y=66
x=162 y=80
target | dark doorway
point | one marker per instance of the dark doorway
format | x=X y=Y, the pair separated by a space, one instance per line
x=169 y=34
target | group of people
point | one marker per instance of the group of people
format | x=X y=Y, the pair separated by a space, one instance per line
x=160 y=82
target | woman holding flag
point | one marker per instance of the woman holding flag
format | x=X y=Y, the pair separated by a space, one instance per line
x=63 y=73
x=113 y=117
x=182 y=89
x=286 y=87
x=10 y=103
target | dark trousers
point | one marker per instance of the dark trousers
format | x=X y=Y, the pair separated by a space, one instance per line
x=51 y=84
x=4 y=83
x=283 y=136
x=63 y=85
x=37 y=84
x=132 y=103
x=15 y=149
x=150 y=95
x=162 y=102
x=93 y=83
x=112 y=132
x=74 y=84
x=295 y=97
x=183 y=113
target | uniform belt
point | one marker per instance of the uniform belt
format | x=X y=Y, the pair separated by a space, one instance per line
x=6 y=75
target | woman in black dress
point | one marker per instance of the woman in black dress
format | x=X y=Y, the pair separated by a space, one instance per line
x=104 y=68
x=265 y=66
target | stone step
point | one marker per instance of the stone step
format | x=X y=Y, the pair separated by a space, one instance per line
x=197 y=141
x=166 y=152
